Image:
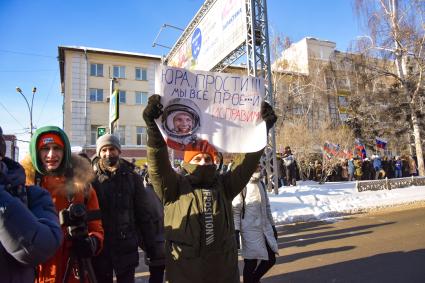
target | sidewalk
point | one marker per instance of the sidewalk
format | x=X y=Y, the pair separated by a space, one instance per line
x=309 y=201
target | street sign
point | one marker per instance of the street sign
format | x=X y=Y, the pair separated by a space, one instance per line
x=101 y=131
x=114 y=112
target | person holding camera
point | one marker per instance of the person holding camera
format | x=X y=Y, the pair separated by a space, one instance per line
x=126 y=215
x=200 y=245
x=27 y=214
x=67 y=177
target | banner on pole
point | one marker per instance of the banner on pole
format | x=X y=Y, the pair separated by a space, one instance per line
x=221 y=108
x=114 y=108
x=359 y=149
x=381 y=143
x=332 y=150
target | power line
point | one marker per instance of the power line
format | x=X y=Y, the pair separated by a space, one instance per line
x=27 y=53
x=11 y=115
x=47 y=97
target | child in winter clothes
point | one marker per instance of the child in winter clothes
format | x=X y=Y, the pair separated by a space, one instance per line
x=67 y=178
x=253 y=220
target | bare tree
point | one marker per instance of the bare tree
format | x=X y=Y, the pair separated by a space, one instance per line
x=397 y=34
x=308 y=144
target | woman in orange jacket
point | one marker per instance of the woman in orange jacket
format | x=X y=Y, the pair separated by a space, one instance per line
x=68 y=178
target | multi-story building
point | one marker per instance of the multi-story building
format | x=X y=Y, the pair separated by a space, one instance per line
x=307 y=87
x=86 y=75
x=12 y=149
x=327 y=76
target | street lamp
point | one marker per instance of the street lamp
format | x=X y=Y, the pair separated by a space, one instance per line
x=34 y=89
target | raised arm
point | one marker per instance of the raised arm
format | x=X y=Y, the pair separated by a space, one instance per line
x=245 y=164
x=243 y=168
x=162 y=174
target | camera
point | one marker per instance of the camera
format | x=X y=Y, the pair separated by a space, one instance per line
x=75 y=219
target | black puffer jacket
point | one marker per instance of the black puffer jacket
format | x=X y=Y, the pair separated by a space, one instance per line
x=125 y=214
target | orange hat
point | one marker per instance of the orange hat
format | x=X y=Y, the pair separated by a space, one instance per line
x=197 y=148
x=49 y=138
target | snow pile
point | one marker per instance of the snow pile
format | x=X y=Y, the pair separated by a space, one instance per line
x=310 y=201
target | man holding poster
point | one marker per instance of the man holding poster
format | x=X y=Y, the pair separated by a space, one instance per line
x=210 y=106
x=198 y=219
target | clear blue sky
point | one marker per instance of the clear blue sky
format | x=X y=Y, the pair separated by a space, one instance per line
x=30 y=32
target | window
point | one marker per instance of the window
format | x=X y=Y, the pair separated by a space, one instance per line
x=141 y=97
x=121 y=134
x=343 y=116
x=119 y=72
x=93 y=134
x=141 y=136
x=343 y=83
x=96 y=70
x=123 y=96
x=342 y=101
x=329 y=83
x=96 y=94
x=141 y=74
x=297 y=109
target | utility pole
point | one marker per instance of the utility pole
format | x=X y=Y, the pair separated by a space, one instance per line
x=30 y=107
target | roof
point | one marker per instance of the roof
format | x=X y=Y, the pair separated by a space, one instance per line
x=62 y=49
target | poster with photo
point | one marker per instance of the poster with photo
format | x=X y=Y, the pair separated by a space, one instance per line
x=221 y=108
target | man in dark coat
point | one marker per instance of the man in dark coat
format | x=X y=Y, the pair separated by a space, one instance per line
x=199 y=231
x=290 y=167
x=125 y=213
x=157 y=265
x=29 y=225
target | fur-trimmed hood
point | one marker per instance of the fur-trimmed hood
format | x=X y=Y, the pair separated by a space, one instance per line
x=82 y=172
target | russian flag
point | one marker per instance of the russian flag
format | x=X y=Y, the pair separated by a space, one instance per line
x=381 y=143
x=360 y=149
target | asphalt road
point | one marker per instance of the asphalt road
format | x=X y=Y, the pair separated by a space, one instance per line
x=385 y=246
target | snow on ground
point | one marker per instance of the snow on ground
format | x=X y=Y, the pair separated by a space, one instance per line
x=309 y=201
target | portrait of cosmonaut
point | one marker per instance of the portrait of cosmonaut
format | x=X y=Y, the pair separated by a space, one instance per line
x=181 y=120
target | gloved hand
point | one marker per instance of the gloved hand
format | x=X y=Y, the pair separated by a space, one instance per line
x=268 y=115
x=85 y=247
x=274 y=232
x=152 y=111
x=238 y=240
x=156 y=258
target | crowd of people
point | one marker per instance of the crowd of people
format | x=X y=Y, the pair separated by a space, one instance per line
x=356 y=168
x=65 y=217
x=375 y=168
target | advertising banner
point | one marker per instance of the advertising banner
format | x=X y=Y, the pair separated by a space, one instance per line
x=221 y=108
x=219 y=32
x=114 y=101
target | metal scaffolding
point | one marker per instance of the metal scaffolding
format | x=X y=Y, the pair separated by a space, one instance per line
x=257 y=51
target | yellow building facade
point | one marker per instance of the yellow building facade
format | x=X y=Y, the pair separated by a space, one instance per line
x=86 y=75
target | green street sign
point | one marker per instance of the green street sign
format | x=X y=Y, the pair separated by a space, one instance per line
x=101 y=131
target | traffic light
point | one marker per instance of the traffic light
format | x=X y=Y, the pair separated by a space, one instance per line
x=101 y=131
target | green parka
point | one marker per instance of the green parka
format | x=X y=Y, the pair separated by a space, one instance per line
x=199 y=229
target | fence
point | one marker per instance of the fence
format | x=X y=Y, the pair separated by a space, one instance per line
x=389 y=184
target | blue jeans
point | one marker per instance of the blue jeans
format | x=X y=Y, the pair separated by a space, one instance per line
x=398 y=173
